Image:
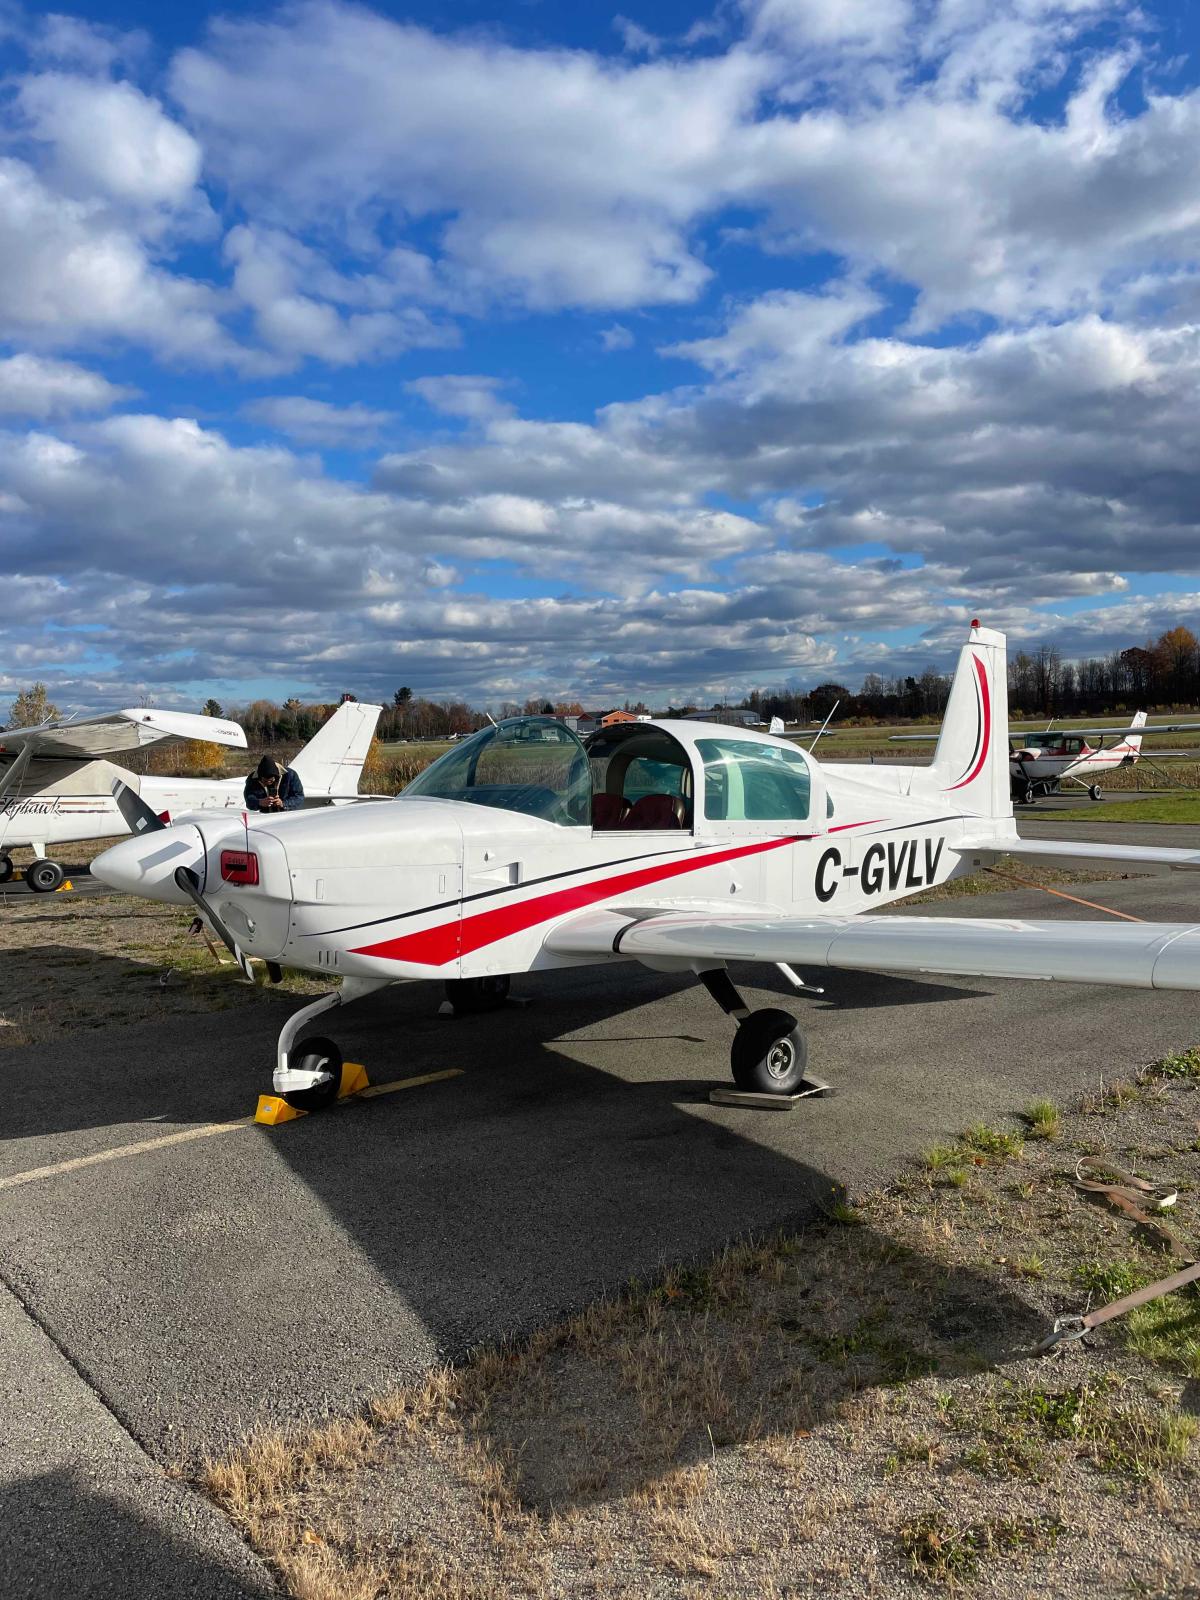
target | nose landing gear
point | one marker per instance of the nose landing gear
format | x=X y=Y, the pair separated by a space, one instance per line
x=309 y=1077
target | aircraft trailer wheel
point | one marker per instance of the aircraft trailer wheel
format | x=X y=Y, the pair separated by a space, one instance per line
x=769 y=1053
x=316 y=1055
x=1094 y=791
x=1030 y=794
x=6 y=868
x=43 y=877
x=470 y=997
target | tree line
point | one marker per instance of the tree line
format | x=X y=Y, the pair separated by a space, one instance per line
x=1161 y=675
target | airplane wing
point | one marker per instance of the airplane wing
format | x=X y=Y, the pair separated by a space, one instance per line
x=117 y=732
x=1136 y=955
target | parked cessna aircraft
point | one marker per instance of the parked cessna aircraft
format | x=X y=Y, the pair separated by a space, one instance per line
x=1042 y=762
x=54 y=789
x=679 y=844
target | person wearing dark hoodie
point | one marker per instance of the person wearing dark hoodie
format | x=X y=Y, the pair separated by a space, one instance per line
x=273 y=788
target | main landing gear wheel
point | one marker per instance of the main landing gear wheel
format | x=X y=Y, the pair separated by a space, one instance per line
x=769 y=1053
x=6 y=868
x=470 y=997
x=1030 y=794
x=316 y=1055
x=1094 y=791
x=43 y=877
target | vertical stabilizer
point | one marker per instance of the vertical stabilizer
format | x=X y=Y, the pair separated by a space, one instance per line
x=331 y=763
x=970 y=764
x=1134 y=740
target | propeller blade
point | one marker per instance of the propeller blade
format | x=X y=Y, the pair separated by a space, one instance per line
x=137 y=814
x=185 y=879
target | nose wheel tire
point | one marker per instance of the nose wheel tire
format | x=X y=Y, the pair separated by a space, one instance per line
x=1094 y=791
x=470 y=997
x=6 y=868
x=43 y=877
x=769 y=1053
x=1030 y=794
x=316 y=1055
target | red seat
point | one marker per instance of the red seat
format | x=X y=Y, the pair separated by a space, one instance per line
x=609 y=811
x=656 y=811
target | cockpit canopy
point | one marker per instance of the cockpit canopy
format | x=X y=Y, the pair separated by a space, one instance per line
x=535 y=765
x=631 y=776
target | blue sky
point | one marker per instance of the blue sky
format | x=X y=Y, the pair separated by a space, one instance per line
x=544 y=349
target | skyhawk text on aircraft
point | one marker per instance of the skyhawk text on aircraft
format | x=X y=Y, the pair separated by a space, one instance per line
x=678 y=844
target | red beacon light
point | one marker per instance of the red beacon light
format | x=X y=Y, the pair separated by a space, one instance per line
x=974 y=622
x=239 y=866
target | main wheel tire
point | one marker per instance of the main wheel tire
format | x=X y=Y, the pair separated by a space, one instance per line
x=6 y=868
x=471 y=997
x=769 y=1053
x=43 y=877
x=1095 y=791
x=1030 y=794
x=316 y=1055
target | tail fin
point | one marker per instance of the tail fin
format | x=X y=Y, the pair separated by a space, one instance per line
x=331 y=762
x=970 y=764
x=1134 y=740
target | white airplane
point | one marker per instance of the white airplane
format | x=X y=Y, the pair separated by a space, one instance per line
x=55 y=788
x=679 y=844
x=1042 y=762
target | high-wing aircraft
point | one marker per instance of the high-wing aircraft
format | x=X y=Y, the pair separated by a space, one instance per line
x=679 y=844
x=1041 y=762
x=57 y=788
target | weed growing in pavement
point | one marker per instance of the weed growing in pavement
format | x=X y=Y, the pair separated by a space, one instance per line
x=1044 y=1119
x=991 y=1142
x=1181 y=1064
x=952 y=1552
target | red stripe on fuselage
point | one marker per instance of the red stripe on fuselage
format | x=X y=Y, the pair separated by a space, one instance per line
x=436 y=946
x=986 y=713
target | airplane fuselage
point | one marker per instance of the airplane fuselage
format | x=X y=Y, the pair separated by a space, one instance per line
x=417 y=889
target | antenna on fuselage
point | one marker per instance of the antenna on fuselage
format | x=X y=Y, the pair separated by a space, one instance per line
x=824 y=725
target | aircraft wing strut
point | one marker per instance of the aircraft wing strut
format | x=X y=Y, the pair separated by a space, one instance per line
x=1137 y=955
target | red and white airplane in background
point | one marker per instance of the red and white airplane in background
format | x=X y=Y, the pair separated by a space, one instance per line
x=678 y=844
x=56 y=788
x=1042 y=762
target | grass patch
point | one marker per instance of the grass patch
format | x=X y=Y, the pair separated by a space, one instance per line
x=946 y=1551
x=1109 y=1280
x=1044 y=1119
x=1167 y=1331
x=1181 y=808
x=982 y=1140
x=1181 y=1064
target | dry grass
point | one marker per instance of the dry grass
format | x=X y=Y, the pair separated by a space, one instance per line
x=844 y=1412
x=76 y=964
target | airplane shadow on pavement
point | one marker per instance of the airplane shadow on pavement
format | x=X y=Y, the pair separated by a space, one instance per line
x=272 y=1276
x=64 y=1537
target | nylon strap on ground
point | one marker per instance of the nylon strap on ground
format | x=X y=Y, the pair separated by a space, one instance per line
x=1067 y=1329
x=1031 y=883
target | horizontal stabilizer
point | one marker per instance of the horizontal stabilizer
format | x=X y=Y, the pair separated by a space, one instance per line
x=1068 y=853
x=1130 y=955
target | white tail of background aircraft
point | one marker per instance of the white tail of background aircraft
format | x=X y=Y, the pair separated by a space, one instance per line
x=331 y=763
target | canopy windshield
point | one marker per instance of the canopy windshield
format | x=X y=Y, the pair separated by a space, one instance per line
x=529 y=764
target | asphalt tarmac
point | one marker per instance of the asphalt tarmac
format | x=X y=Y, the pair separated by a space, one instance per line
x=213 y=1275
